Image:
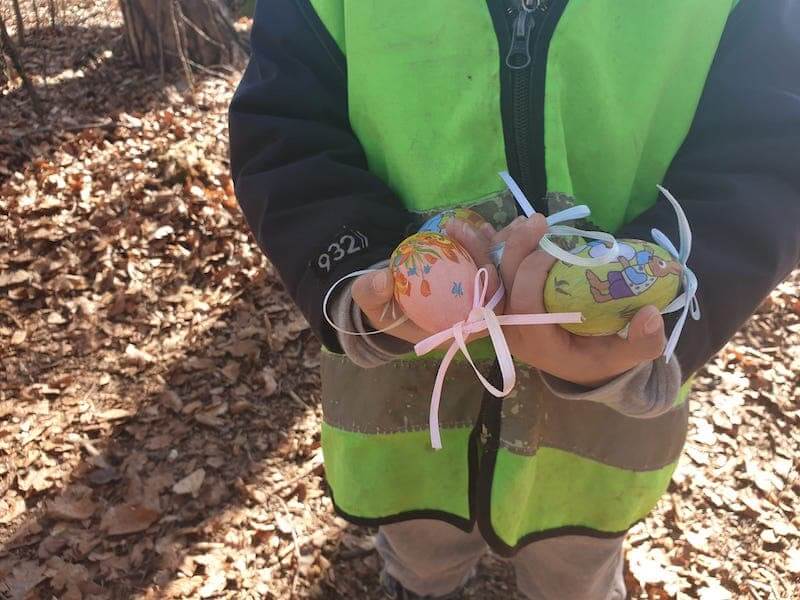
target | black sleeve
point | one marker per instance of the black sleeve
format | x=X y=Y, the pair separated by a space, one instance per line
x=737 y=176
x=300 y=174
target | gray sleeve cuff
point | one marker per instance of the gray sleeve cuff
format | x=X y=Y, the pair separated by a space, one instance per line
x=366 y=351
x=646 y=391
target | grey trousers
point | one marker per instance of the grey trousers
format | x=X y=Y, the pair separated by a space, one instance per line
x=433 y=558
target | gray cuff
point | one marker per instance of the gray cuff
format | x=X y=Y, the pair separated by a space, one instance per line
x=366 y=351
x=646 y=391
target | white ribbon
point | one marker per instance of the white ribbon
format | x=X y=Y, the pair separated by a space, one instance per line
x=686 y=301
x=556 y=230
x=328 y=318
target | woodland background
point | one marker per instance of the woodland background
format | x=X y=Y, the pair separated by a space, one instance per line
x=159 y=394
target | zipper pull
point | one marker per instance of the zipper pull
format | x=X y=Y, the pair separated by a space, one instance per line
x=519 y=53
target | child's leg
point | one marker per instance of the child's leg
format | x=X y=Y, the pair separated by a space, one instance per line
x=574 y=567
x=428 y=557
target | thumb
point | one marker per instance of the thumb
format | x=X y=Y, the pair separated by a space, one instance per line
x=373 y=290
x=646 y=333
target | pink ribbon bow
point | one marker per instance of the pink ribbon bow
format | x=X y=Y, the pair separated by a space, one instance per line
x=481 y=317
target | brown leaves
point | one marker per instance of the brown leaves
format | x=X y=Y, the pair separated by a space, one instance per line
x=126 y=518
x=725 y=530
x=71 y=509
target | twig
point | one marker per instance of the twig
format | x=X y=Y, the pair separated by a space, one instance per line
x=294 y=543
x=314 y=463
x=187 y=70
x=105 y=124
x=199 y=31
x=299 y=401
x=159 y=13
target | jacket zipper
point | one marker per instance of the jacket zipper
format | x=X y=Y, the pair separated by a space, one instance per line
x=526 y=16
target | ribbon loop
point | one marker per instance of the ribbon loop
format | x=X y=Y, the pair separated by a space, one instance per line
x=481 y=318
x=688 y=299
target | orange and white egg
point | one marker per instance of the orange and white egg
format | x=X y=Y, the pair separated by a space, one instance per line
x=434 y=279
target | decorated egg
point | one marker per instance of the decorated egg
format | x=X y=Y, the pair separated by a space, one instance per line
x=610 y=295
x=438 y=223
x=434 y=280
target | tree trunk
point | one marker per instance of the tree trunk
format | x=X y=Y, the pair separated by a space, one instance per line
x=187 y=34
x=20 y=24
x=8 y=48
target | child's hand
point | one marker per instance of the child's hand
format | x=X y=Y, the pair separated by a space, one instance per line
x=588 y=361
x=374 y=291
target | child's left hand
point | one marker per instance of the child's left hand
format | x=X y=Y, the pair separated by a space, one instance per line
x=587 y=361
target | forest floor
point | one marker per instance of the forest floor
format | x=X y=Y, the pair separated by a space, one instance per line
x=159 y=394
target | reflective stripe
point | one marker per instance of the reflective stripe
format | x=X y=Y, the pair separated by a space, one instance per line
x=590 y=429
x=395 y=397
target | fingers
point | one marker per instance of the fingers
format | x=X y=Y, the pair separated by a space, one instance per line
x=612 y=355
x=527 y=292
x=646 y=337
x=372 y=293
x=521 y=239
x=373 y=290
x=475 y=241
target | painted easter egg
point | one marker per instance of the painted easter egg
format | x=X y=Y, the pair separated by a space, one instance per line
x=610 y=295
x=438 y=223
x=434 y=280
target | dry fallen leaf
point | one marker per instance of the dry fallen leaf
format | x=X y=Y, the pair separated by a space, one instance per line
x=191 y=483
x=793 y=560
x=115 y=414
x=128 y=518
x=213 y=585
x=138 y=357
x=270 y=383
x=71 y=509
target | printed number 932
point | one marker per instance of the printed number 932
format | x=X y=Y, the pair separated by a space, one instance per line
x=347 y=244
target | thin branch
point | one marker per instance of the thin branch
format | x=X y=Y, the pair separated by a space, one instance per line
x=314 y=463
x=105 y=124
x=187 y=70
x=199 y=31
x=8 y=48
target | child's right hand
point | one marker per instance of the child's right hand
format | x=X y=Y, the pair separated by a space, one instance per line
x=374 y=291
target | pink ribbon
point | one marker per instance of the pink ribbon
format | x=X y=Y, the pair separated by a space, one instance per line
x=481 y=317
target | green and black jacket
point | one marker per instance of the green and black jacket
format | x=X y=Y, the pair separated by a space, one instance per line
x=355 y=117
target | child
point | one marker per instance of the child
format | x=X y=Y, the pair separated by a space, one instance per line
x=356 y=120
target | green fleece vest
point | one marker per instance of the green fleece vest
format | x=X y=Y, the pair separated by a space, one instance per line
x=431 y=103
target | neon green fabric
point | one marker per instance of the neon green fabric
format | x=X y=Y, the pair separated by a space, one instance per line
x=331 y=13
x=412 y=475
x=555 y=489
x=619 y=100
x=444 y=146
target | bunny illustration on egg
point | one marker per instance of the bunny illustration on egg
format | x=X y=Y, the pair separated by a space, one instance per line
x=433 y=280
x=610 y=295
